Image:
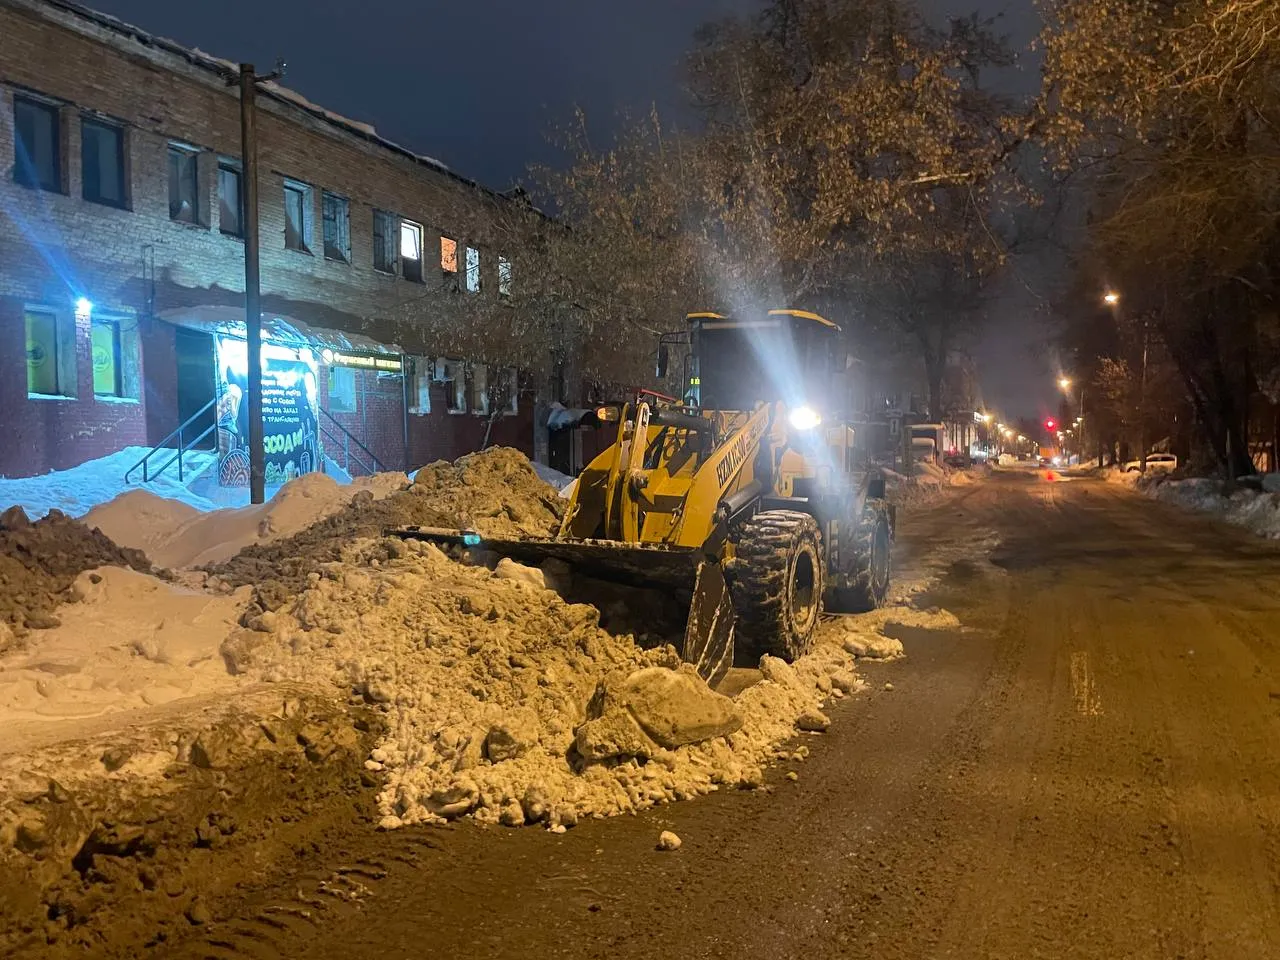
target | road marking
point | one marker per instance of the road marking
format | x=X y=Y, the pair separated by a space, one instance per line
x=1083 y=689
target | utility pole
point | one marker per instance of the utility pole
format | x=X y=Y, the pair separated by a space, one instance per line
x=248 y=81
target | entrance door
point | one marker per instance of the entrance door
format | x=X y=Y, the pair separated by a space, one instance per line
x=196 y=384
x=560 y=451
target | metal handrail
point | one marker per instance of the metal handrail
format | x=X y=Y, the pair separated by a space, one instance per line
x=144 y=463
x=347 y=439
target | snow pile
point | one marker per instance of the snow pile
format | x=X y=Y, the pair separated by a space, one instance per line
x=927 y=482
x=40 y=560
x=495 y=492
x=175 y=535
x=507 y=703
x=77 y=490
x=1255 y=510
x=127 y=640
x=871 y=636
x=561 y=481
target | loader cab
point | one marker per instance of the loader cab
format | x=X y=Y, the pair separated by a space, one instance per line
x=787 y=355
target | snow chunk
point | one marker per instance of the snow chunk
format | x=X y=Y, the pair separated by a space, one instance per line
x=668 y=841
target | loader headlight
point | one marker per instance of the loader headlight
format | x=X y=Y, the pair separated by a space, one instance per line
x=805 y=418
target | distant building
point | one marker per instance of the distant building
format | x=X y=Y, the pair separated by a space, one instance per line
x=384 y=278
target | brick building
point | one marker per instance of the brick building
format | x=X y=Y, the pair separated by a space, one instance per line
x=384 y=274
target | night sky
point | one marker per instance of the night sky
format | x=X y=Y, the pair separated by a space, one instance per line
x=477 y=85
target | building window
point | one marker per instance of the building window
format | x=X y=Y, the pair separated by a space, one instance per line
x=384 y=241
x=183 y=190
x=337 y=228
x=473 y=270
x=411 y=250
x=230 y=205
x=506 y=394
x=37 y=145
x=480 y=389
x=51 y=354
x=419 y=385
x=453 y=375
x=298 y=214
x=342 y=390
x=449 y=258
x=504 y=277
x=114 y=351
x=102 y=162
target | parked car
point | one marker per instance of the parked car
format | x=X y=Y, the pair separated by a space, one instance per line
x=1155 y=461
x=957 y=461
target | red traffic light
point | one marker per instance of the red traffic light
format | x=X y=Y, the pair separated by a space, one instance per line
x=1051 y=424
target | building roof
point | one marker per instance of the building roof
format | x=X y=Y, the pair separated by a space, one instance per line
x=226 y=70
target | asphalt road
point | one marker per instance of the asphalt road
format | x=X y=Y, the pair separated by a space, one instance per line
x=1089 y=769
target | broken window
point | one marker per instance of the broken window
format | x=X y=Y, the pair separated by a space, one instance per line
x=297 y=216
x=37 y=145
x=411 y=250
x=504 y=277
x=384 y=241
x=183 y=191
x=473 y=270
x=337 y=228
x=102 y=162
x=230 y=210
x=51 y=354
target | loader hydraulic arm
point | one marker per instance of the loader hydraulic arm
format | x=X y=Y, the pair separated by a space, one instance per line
x=729 y=469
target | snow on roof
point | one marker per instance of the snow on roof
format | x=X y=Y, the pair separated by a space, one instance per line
x=230 y=322
x=227 y=69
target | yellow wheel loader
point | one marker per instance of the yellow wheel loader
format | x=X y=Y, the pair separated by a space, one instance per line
x=748 y=496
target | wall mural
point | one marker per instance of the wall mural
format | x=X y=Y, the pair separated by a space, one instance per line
x=289 y=412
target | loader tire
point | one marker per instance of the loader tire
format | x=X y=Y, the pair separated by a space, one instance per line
x=870 y=586
x=777 y=584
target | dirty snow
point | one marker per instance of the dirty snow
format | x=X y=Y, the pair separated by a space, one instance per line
x=927 y=482
x=1256 y=510
x=502 y=700
x=175 y=535
x=510 y=704
x=128 y=640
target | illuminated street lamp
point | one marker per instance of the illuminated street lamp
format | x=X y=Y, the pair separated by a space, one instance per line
x=1111 y=298
x=1064 y=384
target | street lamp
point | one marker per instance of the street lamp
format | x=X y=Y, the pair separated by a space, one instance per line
x=1064 y=383
x=1111 y=298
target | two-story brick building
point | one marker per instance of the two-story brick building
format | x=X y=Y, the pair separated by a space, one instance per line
x=384 y=278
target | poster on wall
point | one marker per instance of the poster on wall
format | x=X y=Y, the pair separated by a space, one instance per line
x=289 y=412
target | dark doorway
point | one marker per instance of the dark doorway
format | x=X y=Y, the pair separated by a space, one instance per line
x=560 y=451
x=196 y=385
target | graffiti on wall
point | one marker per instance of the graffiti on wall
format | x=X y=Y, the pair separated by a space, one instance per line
x=289 y=412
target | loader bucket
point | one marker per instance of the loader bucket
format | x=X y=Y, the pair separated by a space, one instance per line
x=708 y=636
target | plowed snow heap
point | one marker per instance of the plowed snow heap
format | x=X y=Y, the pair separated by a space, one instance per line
x=508 y=703
x=40 y=560
x=495 y=492
x=502 y=700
